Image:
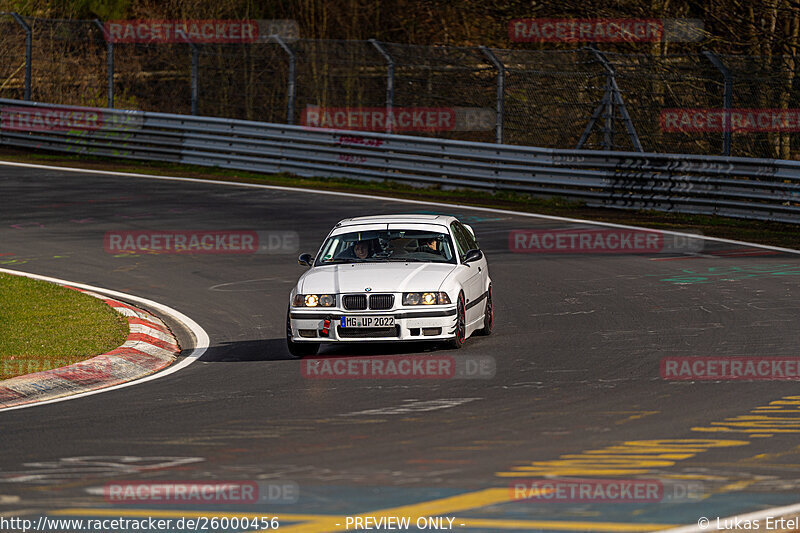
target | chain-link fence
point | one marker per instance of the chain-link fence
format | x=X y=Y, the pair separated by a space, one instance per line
x=560 y=99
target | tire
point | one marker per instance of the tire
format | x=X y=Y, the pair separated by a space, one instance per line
x=299 y=349
x=488 y=315
x=461 y=324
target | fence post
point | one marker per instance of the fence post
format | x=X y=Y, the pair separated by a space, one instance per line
x=389 y=83
x=608 y=128
x=195 y=82
x=593 y=120
x=28 y=53
x=291 y=88
x=613 y=99
x=727 y=100
x=501 y=92
x=109 y=62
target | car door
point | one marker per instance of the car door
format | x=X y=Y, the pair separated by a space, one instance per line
x=470 y=275
x=483 y=265
x=483 y=268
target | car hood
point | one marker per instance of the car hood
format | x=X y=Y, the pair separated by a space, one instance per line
x=388 y=277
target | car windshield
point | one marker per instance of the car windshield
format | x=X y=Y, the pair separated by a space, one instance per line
x=384 y=246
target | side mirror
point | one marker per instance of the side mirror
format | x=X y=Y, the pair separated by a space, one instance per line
x=305 y=260
x=472 y=256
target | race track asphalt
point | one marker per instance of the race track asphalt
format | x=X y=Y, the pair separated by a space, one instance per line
x=576 y=350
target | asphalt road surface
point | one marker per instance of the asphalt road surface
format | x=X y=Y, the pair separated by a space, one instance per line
x=575 y=387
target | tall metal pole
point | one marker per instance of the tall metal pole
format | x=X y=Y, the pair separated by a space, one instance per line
x=28 y=53
x=109 y=62
x=195 y=81
x=389 y=83
x=291 y=88
x=501 y=92
x=727 y=100
x=608 y=128
x=195 y=85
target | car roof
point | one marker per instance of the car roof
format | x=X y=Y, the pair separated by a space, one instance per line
x=417 y=218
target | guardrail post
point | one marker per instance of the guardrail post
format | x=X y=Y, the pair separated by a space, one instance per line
x=727 y=100
x=389 y=82
x=291 y=86
x=28 y=53
x=109 y=62
x=501 y=91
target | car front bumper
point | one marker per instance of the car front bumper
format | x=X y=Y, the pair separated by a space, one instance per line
x=410 y=325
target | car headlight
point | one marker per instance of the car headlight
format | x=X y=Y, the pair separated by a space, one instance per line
x=425 y=298
x=314 y=300
x=411 y=298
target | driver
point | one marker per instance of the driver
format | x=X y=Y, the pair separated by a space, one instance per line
x=359 y=250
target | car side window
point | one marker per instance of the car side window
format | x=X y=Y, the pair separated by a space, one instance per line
x=466 y=237
x=462 y=243
x=473 y=242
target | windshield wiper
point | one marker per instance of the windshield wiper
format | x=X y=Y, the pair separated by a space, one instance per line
x=404 y=260
x=344 y=260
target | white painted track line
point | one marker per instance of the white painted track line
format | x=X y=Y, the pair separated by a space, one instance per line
x=398 y=200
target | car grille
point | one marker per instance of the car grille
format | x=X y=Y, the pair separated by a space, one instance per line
x=381 y=301
x=354 y=302
x=368 y=333
x=358 y=302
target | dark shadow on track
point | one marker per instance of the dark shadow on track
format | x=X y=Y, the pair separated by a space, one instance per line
x=275 y=350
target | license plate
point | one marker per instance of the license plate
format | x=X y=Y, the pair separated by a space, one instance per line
x=367 y=321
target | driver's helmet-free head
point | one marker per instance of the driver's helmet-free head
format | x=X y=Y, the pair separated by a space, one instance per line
x=364 y=248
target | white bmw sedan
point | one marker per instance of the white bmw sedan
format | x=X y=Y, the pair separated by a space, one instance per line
x=391 y=278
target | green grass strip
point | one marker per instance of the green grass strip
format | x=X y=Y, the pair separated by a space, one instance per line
x=45 y=326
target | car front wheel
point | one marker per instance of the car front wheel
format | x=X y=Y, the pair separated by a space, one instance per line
x=461 y=324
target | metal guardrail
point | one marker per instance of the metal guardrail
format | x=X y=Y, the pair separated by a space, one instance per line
x=762 y=189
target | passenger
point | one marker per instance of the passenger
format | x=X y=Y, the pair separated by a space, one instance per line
x=429 y=245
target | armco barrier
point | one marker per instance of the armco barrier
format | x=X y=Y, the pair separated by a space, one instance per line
x=763 y=189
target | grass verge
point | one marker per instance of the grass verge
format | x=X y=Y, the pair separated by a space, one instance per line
x=45 y=326
x=772 y=233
